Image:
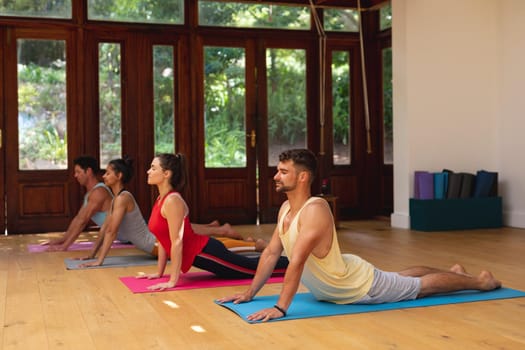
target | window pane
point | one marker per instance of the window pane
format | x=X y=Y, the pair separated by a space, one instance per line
x=286 y=80
x=341 y=107
x=341 y=20
x=137 y=11
x=388 y=134
x=243 y=15
x=42 y=118
x=109 y=91
x=224 y=107
x=163 y=99
x=48 y=9
x=385 y=17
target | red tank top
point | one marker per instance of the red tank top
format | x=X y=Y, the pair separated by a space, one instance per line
x=192 y=243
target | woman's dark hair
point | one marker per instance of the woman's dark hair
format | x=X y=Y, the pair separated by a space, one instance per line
x=177 y=164
x=123 y=166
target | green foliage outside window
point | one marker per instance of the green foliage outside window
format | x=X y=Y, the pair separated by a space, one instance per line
x=341 y=96
x=244 y=15
x=224 y=93
x=388 y=127
x=385 y=17
x=163 y=99
x=138 y=11
x=42 y=125
x=341 y=20
x=286 y=96
x=32 y=8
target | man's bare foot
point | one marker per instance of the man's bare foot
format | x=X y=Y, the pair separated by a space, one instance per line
x=488 y=282
x=228 y=231
x=214 y=223
x=260 y=245
x=460 y=270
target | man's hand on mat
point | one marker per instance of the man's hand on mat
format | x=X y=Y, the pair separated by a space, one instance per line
x=56 y=248
x=236 y=298
x=265 y=315
x=55 y=241
x=161 y=286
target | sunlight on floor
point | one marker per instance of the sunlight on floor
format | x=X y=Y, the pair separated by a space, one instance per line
x=198 y=329
x=171 y=304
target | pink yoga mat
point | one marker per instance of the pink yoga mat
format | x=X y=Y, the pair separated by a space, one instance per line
x=38 y=248
x=190 y=280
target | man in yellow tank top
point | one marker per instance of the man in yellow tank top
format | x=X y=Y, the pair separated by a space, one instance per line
x=307 y=234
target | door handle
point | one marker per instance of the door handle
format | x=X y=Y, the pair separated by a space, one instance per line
x=0 y=138
x=253 y=138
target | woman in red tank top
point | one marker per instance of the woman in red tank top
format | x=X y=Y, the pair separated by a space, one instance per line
x=169 y=222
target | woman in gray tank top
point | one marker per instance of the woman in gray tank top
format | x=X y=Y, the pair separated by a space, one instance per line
x=124 y=221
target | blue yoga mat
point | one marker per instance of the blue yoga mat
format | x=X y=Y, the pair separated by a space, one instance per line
x=304 y=305
x=113 y=261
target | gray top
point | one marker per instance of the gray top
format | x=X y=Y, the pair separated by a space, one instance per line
x=134 y=229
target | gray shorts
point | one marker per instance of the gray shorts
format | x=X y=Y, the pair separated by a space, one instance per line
x=390 y=287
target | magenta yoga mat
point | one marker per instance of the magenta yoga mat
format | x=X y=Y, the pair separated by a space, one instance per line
x=190 y=280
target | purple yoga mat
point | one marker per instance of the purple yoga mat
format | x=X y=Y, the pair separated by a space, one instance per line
x=423 y=185
x=38 y=248
x=189 y=280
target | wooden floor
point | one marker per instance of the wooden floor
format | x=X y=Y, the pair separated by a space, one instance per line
x=45 y=306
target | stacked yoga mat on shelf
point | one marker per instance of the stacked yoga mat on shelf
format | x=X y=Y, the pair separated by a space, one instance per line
x=454 y=201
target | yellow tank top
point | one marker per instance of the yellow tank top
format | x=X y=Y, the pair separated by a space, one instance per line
x=337 y=278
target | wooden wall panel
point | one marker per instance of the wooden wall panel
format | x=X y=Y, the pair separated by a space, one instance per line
x=225 y=194
x=43 y=199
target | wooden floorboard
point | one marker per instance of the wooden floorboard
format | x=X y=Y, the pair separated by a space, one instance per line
x=45 y=306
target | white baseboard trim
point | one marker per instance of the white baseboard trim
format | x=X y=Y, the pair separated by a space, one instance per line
x=514 y=219
x=399 y=220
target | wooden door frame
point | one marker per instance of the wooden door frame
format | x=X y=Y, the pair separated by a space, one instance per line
x=233 y=186
x=2 y=133
x=269 y=200
x=38 y=199
x=137 y=101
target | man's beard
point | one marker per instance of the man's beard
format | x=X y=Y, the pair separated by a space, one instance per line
x=282 y=188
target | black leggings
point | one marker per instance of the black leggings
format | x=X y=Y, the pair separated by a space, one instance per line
x=216 y=258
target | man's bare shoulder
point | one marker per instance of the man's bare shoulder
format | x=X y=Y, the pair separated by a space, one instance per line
x=315 y=211
x=283 y=206
x=316 y=203
x=100 y=193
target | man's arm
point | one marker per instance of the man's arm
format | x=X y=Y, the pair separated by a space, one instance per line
x=96 y=245
x=95 y=203
x=265 y=267
x=315 y=223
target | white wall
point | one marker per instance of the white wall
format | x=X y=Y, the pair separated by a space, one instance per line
x=457 y=97
x=512 y=111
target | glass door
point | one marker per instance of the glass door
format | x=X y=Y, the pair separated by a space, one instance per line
x=228 y=134
x=2 y=148
x=37 y=98
x=254 y=106
x=283 y=109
